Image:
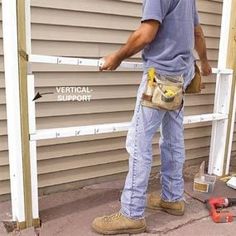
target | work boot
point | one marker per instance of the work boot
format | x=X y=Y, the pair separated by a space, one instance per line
x=118 y=224
x=156 y=203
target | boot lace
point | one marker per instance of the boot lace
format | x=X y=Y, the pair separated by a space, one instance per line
x=112 y=217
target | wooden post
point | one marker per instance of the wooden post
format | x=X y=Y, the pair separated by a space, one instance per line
x=232 y=38
x=231 y=63
x=22 y=60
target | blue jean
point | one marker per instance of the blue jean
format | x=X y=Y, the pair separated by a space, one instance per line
x=145 y=123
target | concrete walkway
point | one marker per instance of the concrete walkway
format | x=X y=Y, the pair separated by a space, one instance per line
x=71 y=213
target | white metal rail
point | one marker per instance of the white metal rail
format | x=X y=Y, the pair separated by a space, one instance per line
x=78 y=61
x=35 y=58
x=109 y=128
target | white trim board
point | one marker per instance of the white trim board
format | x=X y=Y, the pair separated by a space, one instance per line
x=109 y=128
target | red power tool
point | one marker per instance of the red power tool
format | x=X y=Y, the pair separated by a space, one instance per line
x=215 y=206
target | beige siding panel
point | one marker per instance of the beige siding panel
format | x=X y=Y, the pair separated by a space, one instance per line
x=108 y=37
x=49 y=151
x=94 y=170
x=50 y=46
x=103 y=157
x=4 y=184
x=4 y=187
x=192 y=131
x=101 y=6
x=77 y=120
x=56 y=79
x=116 y=7
x=83 y=143
x=83 y=19
x=44 y=109
x=105 y=170
x=93 y=29
x=233 y=152
x=99 y=93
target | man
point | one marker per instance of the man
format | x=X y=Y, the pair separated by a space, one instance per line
x=167 y=35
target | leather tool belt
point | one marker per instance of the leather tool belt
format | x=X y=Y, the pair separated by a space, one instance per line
x=163 y=92
x=196 y=84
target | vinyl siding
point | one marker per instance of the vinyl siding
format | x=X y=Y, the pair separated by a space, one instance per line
x=233 y=152
x=92 y=29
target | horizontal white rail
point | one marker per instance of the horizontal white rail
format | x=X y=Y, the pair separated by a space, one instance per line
x=79 y=131
x=109 y=128
x=96 y=62
x=204 y=118
x=78 y=61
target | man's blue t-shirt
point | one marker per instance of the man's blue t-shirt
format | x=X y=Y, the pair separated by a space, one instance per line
x=171 y=52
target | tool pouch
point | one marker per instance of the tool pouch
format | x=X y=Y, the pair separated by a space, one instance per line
x=163 y=92
x=196 y=84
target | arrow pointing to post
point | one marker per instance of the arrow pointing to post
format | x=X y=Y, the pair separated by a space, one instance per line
x=39 y=95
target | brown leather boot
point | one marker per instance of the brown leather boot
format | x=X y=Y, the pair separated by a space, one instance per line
x=118 y=224
x=156 y=203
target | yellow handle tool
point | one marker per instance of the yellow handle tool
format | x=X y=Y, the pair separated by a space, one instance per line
x=151 y=76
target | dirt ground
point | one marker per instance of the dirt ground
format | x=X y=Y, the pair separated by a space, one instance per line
x=71 y=213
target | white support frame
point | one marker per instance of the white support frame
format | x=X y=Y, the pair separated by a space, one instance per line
x=34 y=58
x=13 y=108
x=219 y=128
x=219 y=117
x=78 y=61
x=33 y=147
x=109 y=128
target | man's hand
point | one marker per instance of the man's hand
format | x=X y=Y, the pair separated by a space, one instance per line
x=200 y=46
x=111 y=62
x=205 y=68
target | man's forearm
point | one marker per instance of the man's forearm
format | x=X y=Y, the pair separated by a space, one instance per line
x=139 y=39
x=200 y=44
x=135 y=43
